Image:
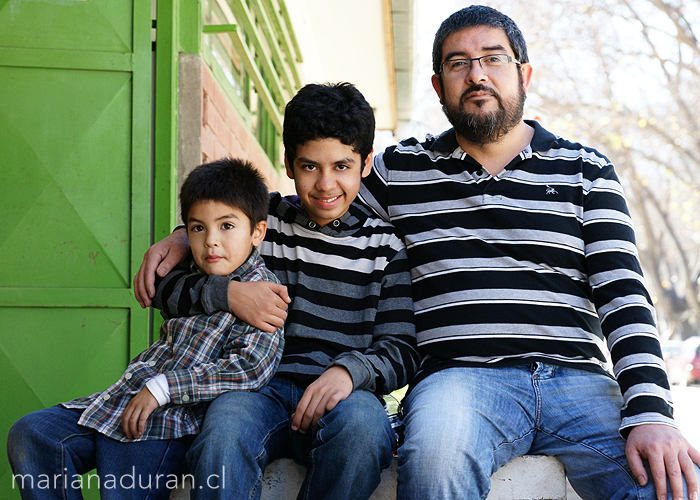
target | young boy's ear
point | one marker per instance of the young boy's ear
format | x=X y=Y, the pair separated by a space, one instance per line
x=259 y=232
x=367 y=166
x=288 y=167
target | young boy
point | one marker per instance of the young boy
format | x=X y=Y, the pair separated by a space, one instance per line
x=141 y=426
x=349 y=333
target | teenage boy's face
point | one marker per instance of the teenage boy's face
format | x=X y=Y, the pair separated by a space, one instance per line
x=220 y=236
x=327 y=176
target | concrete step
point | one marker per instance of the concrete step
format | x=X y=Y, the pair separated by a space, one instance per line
x=525 y=478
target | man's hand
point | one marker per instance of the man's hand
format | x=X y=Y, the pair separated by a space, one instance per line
x=334 y=385
x=262 y=304
x=669 y=454
x=137 y=412
x=160 y=258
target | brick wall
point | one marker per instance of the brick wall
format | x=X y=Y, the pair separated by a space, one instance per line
x=210 y=128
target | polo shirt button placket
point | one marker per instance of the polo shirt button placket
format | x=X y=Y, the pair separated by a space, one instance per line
x=312 y=224
x=336 y=223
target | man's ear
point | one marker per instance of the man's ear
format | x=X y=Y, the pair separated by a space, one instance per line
x=367 y=165
x=437 y=85
x=259 y=232
x=526 y=71
x=288 y=167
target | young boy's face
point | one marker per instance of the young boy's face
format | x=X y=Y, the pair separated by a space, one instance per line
x=327 y=176
x=220 y=236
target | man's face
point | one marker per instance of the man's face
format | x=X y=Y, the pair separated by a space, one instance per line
x=482 y=103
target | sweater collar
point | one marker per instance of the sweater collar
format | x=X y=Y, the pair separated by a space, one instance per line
x=446 y=142
x=288 y=209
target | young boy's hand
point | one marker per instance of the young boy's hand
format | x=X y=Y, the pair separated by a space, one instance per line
x=334 y=385
x=137 y=412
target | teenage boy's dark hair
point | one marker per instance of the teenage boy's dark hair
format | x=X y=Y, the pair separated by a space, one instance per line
x=479 y=15
x=231 y=181
x=328 y=111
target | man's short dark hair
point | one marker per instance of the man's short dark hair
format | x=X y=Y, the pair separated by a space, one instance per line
x=328 y=111
x=479 y=15
x=231 y=181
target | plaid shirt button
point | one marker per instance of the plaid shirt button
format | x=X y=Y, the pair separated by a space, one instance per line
x=185 y=398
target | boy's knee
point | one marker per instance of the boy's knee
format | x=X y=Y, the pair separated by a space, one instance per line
x=22 y=432
x=23 y=437
x=358 y=424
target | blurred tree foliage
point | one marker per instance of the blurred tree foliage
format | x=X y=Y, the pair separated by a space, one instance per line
x=623 y=76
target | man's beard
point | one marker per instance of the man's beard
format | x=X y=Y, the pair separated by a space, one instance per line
x=486 y=128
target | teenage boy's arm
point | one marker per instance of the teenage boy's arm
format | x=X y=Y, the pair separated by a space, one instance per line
x=262 y=304
x=388 y=363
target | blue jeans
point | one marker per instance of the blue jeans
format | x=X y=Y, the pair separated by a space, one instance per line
x=245 y=431
x=49 y=452
x=463 y=424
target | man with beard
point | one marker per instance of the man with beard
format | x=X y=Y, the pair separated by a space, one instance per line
x=525 y=272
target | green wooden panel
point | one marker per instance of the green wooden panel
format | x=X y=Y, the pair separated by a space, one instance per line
x=103 y=25
x=67 y=198
x=52 y=355
x=75 y=195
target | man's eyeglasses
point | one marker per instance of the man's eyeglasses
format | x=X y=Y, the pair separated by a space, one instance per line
x=490 y=63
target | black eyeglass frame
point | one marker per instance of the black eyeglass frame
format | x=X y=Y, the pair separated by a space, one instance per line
x=510 y=60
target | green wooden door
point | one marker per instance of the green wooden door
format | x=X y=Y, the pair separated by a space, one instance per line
x=75 y=188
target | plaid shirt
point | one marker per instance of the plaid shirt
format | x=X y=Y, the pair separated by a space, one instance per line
x=202 y=357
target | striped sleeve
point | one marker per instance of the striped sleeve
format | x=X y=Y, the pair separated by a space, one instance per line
x=624 y=306
x=184 y=292
x=391 y=361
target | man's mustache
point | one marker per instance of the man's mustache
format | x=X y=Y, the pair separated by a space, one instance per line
x=479 y=88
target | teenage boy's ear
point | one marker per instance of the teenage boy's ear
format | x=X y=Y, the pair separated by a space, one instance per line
x=367 y=166
x=259 y=232
x=288 y=167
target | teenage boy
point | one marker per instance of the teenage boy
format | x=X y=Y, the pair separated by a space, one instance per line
x=349 y=333
x=137 y=432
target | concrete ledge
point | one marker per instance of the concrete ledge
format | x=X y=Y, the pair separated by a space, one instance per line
x=525 y=478
x=529 y=477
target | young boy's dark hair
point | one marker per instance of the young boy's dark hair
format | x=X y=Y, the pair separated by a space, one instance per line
x=335 y=111
x=231 y=181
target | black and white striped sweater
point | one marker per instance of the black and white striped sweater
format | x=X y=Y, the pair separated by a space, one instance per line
x=538 y=263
